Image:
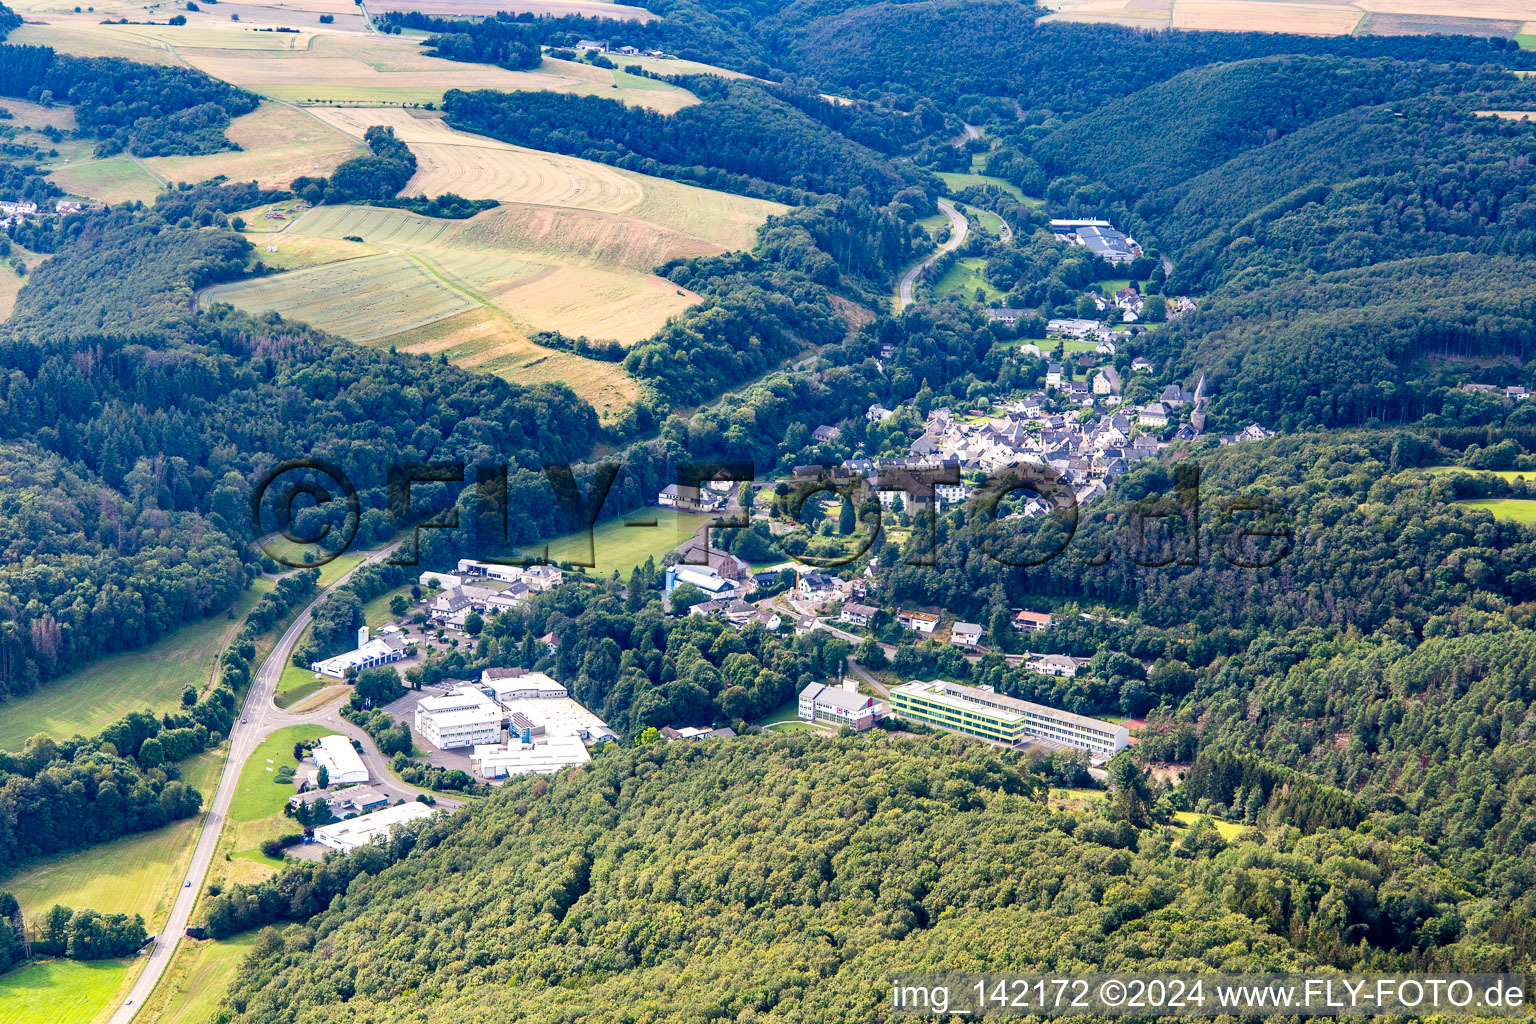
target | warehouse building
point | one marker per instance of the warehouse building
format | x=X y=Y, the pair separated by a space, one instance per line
x=979 y=711
x=360 y=831
x=370 y=652
x=541 y=755
x=341 y=761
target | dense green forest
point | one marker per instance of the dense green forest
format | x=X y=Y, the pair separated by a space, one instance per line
x=498 y=41
x=789 y=878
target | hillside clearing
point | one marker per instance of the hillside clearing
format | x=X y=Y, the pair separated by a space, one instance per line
x=277 y=144
x=88 y=700
x=1515 y=510
x=115 y=179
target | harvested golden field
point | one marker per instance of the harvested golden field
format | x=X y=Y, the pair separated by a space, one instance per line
x=1508 y=115
x=1252 y=15
x=480 y=168
x=365 y=299
x=339 y=67
x=1515 y=10
x=576 y=272
x=91 y=41
x=475 y=290
x=484 y=340
x=277 y=144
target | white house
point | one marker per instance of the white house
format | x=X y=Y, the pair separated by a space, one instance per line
x=965 y=634
x=1053 y=665
x=856 y=614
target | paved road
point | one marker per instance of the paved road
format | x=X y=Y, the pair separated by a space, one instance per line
x=262 y=718
x=958 y=226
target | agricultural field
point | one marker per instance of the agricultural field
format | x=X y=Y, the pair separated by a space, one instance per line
x=88 y=700
x=965 y=279
x=136 y=874
x=10 y=287
x=55 y=991
x=476 y=289
x=277 y=144
x=1319 y=17
x=1514 y=510
x=115 y=179
x=197 y=979
x=480 y=168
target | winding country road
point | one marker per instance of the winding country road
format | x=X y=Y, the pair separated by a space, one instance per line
x=958 y=226
x=260 y=717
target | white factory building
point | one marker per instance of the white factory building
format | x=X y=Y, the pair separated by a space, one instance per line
x=463 y=717
x=342 y=763
x=522 y=686
x=360 y=831
x=543 y=755
x=546 y=729
x=371 y=651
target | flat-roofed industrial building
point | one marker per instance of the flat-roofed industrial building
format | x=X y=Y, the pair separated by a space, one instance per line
x=979 y=711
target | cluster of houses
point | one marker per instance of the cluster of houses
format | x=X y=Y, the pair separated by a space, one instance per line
x=602 y=46
x=1509 y=392
x=485 y=588
x=1084 y=455
x=12 y=210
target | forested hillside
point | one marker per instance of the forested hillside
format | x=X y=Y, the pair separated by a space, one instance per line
x=788 y=879
x=149 y=109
